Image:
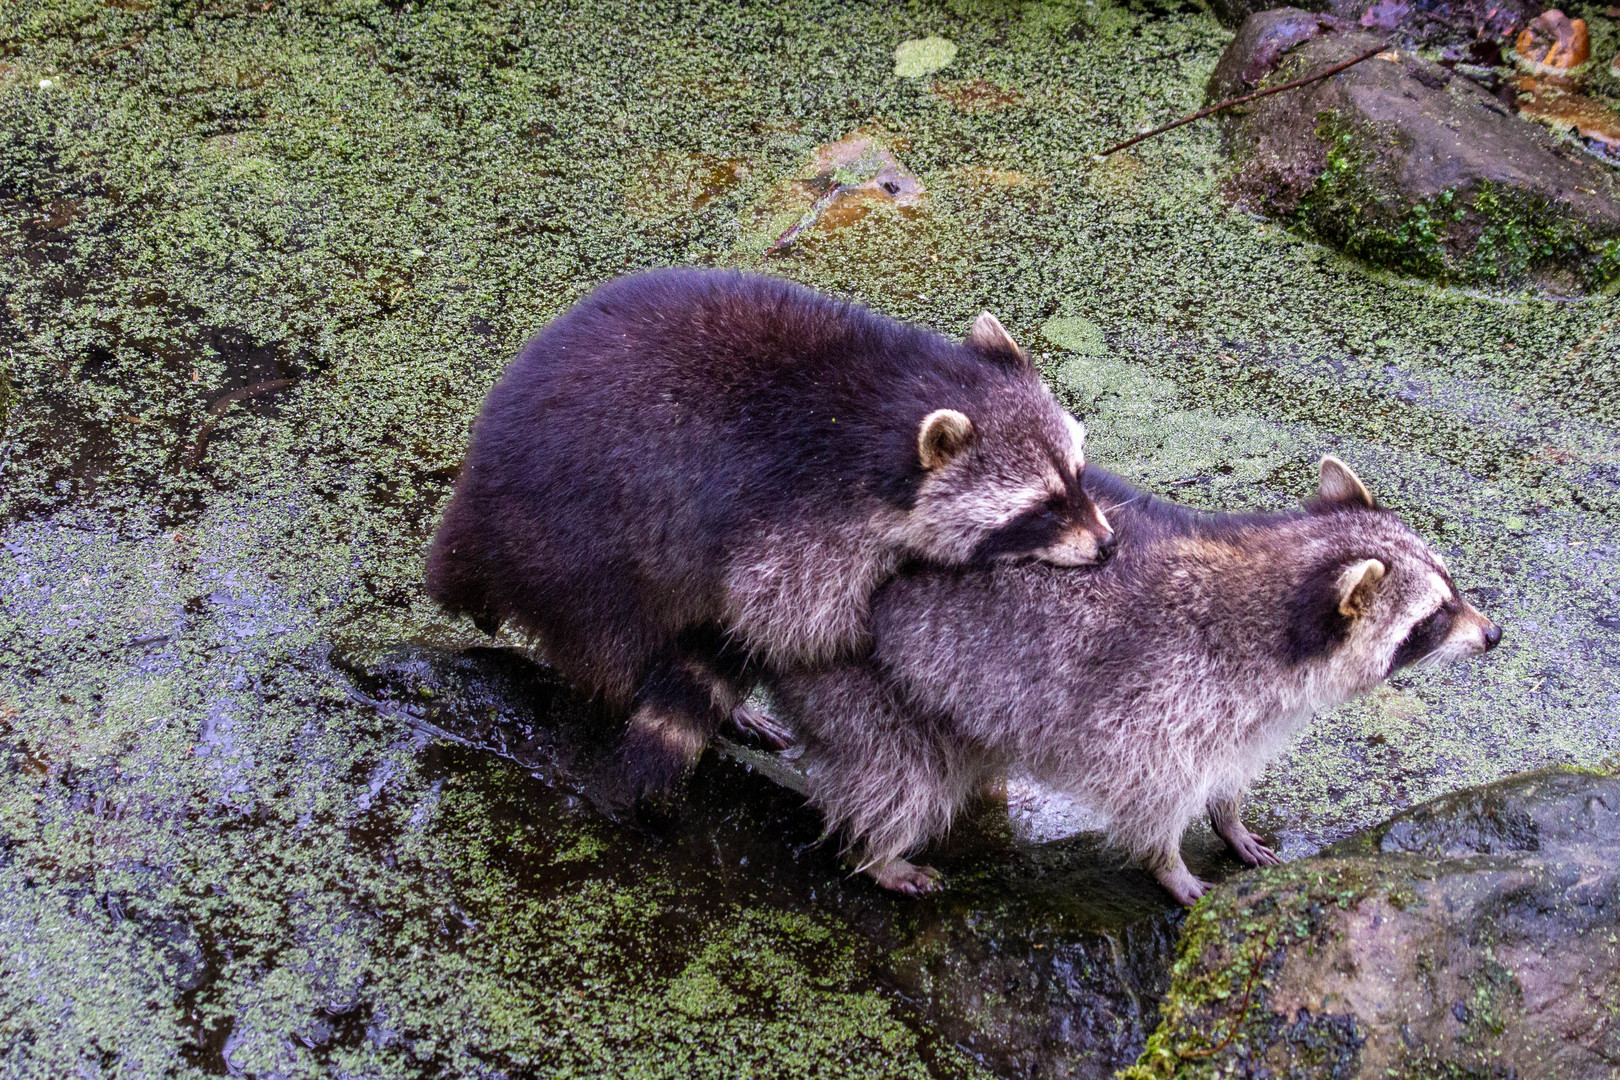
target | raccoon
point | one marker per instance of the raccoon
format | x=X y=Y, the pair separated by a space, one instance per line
x=691 y=476
x=1153 y=687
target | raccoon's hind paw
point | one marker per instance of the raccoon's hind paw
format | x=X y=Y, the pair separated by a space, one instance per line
x=1183 y=886
x=753 y=721
x=899 y=876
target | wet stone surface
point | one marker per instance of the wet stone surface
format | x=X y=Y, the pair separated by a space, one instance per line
x=221 y=853
x=1471 y=936
x=1042 y=959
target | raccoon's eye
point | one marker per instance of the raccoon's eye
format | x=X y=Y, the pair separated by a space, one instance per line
x=1055 y=508
x=1424 y=637
x=1424 y=627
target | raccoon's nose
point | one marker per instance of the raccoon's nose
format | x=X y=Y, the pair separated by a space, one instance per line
x=1105 y=546
x=1493 y=634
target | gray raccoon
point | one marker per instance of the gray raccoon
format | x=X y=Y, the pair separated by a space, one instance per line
x=1153 y=688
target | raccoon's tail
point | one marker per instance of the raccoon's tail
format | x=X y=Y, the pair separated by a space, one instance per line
x=690 y=691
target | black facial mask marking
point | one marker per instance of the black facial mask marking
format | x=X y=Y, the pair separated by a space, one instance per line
x=1034 y=529
x=1426 y=636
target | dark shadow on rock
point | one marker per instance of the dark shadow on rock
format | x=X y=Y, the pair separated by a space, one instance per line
x=1042 y=960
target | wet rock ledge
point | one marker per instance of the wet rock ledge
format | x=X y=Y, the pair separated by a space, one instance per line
x=1042 y=960
x=1472 y=936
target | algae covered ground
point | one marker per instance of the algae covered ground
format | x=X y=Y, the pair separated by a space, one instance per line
x=259 y=262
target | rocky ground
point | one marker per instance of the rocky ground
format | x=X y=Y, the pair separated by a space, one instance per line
x=261 y=260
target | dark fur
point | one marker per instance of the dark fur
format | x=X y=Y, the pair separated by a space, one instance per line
x=676 y=428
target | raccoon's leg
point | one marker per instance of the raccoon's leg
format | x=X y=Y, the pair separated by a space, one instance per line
x=728 y=671
x=1173 y=874
x=1225 y=816
x=692 y=687
x=675 y=712
x=885 y=775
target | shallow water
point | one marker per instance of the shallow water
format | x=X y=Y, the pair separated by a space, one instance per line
x=224 y=852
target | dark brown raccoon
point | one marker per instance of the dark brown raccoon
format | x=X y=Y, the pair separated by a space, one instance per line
x=1153 y=688
x=691 y=474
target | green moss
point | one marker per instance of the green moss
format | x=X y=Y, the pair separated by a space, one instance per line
x=1233 y=942
x=1487 y=234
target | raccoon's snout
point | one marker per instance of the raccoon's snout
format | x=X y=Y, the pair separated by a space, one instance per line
x=1106 y=545
x=1084 y=546
x=1489 y=633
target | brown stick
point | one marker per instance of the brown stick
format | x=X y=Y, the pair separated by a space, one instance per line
x=811 y=216
x=136 y=40
x=1243 y=1009
x=216 y=412
x=1229 y=102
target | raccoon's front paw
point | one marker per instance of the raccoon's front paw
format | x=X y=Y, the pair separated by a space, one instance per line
x=899 y=876
x=749 y=720
x=1250 y=848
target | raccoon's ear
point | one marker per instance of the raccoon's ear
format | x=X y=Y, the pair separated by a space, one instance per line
x=1338 y=486
x=988 y=334
x=1077 y=441
x=944 y=434
x=1357 y=584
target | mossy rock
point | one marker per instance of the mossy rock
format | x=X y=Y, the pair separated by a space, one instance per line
x=1472 y=936
x=1398 y=163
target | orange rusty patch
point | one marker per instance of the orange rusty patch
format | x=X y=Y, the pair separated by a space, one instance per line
x=1553 y=102
x=1554 y=42
x=977 y=96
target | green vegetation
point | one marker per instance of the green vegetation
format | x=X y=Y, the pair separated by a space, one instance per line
x=1485 y=235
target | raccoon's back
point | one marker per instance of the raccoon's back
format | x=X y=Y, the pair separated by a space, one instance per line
x=639 y=436
x=681 y=376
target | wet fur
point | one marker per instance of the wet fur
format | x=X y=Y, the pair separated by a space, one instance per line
x=691 y=474
x=1154 y=688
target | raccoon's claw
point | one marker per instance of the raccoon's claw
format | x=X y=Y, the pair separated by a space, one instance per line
x=749 y=720
x=899 y=876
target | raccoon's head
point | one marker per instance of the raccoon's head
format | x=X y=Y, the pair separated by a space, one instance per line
x=1005 y=483
x=1378 y=598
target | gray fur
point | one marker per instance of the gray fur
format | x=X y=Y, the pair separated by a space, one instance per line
x=1153 y=688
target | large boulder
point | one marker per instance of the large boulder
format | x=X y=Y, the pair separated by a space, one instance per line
x=1472 y=936
x=1401 y=164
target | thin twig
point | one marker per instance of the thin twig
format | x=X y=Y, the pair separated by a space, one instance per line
x=136 y=40
x=1229 y=102
x=811 y=216
x=1242 y=1013
x=216 y=411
